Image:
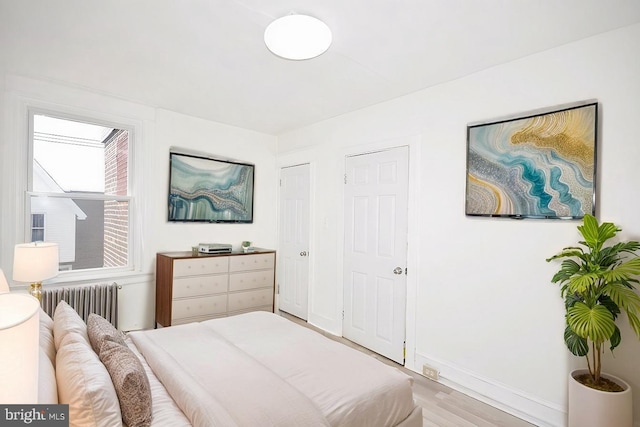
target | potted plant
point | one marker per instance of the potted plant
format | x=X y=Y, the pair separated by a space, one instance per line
x=597 y=284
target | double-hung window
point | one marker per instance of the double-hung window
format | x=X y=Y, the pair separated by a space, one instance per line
x=79 y=190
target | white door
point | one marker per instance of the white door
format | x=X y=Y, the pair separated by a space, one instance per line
x=293 y=253
x=375 y=251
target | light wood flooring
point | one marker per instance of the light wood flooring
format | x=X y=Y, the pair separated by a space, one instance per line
x=441 y=405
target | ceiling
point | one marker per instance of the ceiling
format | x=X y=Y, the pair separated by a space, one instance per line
x=206 y=58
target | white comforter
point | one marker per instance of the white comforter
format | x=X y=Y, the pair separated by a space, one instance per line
x=261 y=369
x=216 y=384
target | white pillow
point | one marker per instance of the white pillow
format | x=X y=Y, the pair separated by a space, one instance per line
x=46 y=336
x=47 y=387
x=65 y=320
x=85 y=385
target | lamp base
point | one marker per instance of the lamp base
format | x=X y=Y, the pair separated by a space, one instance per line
x=35 y=290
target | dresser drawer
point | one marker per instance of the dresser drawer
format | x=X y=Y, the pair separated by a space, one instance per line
x=251 y=262
x=201 y=306
x=199 y=285
x=199 y=266
x=251 y=280
x=244 y=300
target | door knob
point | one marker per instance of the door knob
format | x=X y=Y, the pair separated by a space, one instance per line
x=397 y=270
x=303 y=253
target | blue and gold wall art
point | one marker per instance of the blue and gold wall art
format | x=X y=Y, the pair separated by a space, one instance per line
x=534 y=166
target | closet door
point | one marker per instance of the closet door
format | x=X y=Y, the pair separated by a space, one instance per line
x=293 y=254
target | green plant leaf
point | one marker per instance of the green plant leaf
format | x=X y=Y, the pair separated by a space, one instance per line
x=635 y=323
x=625 y=298
x=589 y=230
x=581 y=282
x=568 y=269
x=606 y=231
x=615 y=339
x=595 y=323
x=622 y=271
x=571 y=251
x=577 y=345
x=571 y=299
x=606 y=301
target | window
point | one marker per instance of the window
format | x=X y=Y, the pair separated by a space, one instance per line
x=80 y=182
x=37 y=227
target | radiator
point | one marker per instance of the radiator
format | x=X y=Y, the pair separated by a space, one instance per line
x=101 y=299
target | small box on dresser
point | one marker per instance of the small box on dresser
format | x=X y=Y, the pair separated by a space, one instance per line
x=192 y=288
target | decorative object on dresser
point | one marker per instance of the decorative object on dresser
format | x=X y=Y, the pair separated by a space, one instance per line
x=215 y=248
x=194 y=288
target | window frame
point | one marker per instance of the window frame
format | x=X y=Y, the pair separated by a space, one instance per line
x=132 y=251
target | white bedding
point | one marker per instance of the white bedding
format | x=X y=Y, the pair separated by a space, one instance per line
x=261 y=369
x=350 y=388
x=165 y=411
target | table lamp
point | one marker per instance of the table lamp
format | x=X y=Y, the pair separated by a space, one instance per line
x=19 y=334
x=4 y=286
x=35 y=262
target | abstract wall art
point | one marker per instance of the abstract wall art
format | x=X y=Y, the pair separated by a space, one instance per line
x=540 y=165
x=204 y=189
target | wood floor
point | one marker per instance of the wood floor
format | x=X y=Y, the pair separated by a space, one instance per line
x=441 y=405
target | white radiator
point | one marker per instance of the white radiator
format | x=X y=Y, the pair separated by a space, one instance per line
x=101 y=299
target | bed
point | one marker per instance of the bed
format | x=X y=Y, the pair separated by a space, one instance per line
x=253 y=369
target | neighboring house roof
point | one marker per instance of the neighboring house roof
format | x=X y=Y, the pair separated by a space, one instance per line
x=47 y=182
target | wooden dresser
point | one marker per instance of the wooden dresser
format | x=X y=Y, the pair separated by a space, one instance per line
x=192 y=288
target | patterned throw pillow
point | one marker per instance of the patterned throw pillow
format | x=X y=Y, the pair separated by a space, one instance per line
x=130 y=381
x=98 y=329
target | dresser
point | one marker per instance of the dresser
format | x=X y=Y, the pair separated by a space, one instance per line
x=192 y=288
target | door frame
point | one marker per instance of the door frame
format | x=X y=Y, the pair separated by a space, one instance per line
x=413 y=228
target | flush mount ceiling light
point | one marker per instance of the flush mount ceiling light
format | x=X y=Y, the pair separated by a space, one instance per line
x=297 y=37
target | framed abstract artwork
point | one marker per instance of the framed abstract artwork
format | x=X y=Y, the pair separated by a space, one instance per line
x=205 y=189
x=540 y=165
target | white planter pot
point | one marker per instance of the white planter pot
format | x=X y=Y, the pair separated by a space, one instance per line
x=589 y=407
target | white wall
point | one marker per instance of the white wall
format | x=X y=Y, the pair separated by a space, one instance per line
x=485 y=313
x=154 y=132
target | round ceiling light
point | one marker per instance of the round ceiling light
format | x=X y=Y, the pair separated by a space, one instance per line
x=297 y=37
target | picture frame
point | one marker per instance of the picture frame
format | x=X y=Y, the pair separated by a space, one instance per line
x=207 y=189
x=538 y=165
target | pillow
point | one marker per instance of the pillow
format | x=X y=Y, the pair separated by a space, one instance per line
x=65 y=320
x=46 y=336
x=130 y=381
x=98 y=329
x=85 y=385
x=47 y=388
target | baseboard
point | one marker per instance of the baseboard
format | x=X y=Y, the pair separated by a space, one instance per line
x=510 y=400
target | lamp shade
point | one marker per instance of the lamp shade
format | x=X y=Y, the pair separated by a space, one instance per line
x=297 y=37
x=35 y=262
x=19 y=334
x=4 y=286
